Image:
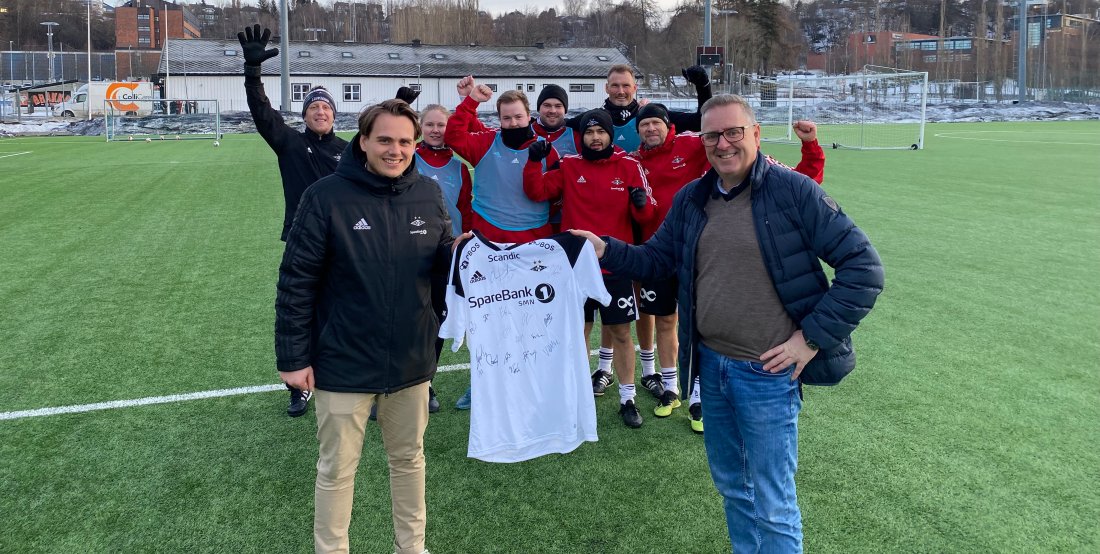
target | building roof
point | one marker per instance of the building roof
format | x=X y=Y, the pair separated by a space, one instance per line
x=223 y=57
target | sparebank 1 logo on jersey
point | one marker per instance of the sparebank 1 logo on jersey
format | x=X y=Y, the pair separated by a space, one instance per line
x=543 y=292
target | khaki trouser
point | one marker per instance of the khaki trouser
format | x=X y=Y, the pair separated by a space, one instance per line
x=341 y=422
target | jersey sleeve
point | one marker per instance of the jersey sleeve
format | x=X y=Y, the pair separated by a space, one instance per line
x=458 y=313
x=589 y=278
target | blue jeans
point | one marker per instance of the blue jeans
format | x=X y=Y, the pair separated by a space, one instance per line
x=752 y=447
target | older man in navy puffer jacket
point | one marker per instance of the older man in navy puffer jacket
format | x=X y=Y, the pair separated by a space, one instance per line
x=758 y=316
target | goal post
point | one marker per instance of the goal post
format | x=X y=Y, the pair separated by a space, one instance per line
x=870 y=110
x=162 y=119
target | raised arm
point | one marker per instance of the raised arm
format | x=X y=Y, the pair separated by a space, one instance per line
x=269 y=123
x=471 y=145
x=692 y=121
x=812 y=164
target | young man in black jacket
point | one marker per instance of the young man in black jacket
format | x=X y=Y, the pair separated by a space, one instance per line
x=304 y=156
x=354 y=318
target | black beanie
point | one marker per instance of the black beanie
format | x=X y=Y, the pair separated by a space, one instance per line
x=598 y=117
x=652 y=110
x=553 y=91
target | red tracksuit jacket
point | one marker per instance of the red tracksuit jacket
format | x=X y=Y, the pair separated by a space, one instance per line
x=595 y=194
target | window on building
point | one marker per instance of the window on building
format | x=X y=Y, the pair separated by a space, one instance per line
x=519 y=87
x=298 y=91
x=347 y=55
x=530 y=87
x=869 y=39
x=304 y=54
x=143 y=28
x=351 y=92
x=563 y=58
x=603 y=58
x=520 y=57
x=143 y=16
x=143 y=40
x=230 y=52
x=439 y=56
x=492 y=87
x=394 y=56
x=416 y=87
x=930 y=59
x=582 y=87
x=929 y=45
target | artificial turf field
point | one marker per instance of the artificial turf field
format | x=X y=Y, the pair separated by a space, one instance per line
x=133 y=270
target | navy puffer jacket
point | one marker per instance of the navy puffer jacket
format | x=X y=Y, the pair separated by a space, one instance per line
x=797 y=225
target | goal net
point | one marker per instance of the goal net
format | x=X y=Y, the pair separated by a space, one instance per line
x=162 y=119
x=868 y=110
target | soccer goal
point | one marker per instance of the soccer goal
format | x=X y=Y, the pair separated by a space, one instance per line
x=870 y=110
x=162 y=119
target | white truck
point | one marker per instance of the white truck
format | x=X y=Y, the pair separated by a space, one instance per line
x=92 y=96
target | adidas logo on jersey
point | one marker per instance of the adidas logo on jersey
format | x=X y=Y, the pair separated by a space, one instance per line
x=621 y=138
x=581 y=179
x=362 y=225
x=477 y=277
x=515 y=160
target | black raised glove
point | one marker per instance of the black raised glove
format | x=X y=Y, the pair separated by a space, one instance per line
x=638 y=197
x=538 y=150
x=407 y=94
x=254 y=45
x=696 y=75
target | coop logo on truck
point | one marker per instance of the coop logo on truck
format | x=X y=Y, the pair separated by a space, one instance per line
x=118 y=95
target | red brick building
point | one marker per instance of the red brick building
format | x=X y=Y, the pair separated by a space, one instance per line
x=142 y=26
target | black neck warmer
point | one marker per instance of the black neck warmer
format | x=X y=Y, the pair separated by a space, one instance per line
x=620 y=114
x=597 y=155
x=514 y=138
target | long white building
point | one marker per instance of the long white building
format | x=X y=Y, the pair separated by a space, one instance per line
x=359 y=75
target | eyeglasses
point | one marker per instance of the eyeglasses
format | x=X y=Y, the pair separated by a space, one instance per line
x=733 y=134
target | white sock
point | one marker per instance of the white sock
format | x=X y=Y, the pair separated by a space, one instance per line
x=668 y=379
x=605 y=359
x=695 y=392
x=647 y=363
x=626 y=392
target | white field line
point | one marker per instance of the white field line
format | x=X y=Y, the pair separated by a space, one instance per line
x=955 y=135
x=41 y=412
x=114 y=404
x=10 y=154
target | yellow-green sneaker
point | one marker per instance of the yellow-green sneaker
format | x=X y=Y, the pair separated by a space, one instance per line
x=696 y=412
x=670 y=400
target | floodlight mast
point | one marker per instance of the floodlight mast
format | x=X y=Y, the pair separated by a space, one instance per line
x=284 y=65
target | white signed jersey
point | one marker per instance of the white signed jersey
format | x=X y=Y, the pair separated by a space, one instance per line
x=520 y=308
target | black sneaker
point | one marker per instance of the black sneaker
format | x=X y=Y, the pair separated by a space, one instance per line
x=433 y=402
x=299 y=402
x=630 y=414
x=653 y=384
x=600 y=381
x=696 y=412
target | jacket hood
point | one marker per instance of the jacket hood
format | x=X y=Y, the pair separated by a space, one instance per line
x=353 y=167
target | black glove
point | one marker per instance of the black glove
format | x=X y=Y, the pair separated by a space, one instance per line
x=407 y=94
x=538 y=150
x=696 y=75
x=638 y=197
x=254 y=45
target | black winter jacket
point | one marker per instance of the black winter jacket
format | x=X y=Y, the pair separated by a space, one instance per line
x=796 y=226
x=304 y=157
x=354 y=294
